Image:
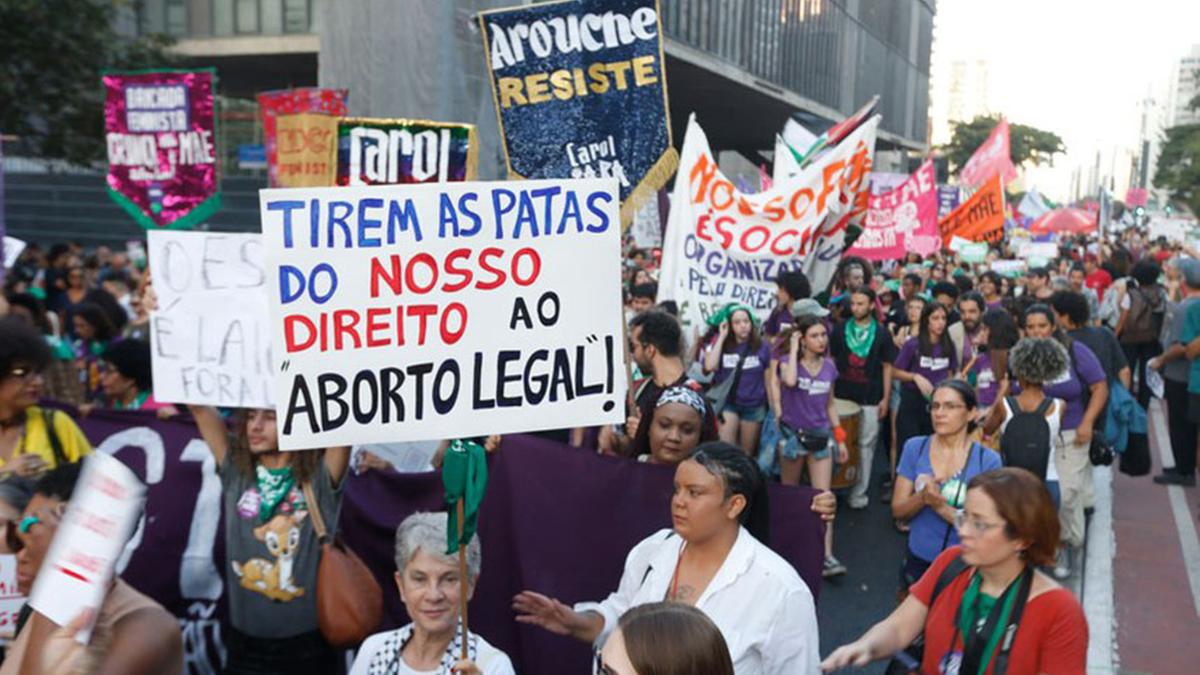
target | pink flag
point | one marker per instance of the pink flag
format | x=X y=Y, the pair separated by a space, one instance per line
x=993 y=157
x=901 y=220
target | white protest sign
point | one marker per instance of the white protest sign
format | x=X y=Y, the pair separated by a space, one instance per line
x=1174 y=230
x=449 y=310
x=210 y=337
x=957 y=243
x=647 y=228
x=12 y=250
x=723 y=245
x=1038 y=249
x=79 y=565
x=1008 y=267
x=11 y=599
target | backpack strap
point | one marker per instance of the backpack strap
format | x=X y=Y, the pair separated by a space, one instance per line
x=949 y=574
x=60 y=457
x=1043 y=407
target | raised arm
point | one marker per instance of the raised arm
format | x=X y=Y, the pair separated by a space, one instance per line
x=212 y=430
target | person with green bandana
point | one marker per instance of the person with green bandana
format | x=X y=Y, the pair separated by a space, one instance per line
x=271 y=547
x=863 y=353
x=988 y=587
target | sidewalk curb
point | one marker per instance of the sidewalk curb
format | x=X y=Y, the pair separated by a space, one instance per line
x=1098 y=579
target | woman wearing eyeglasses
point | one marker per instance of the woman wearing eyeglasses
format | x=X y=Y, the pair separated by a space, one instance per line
x=32 y=439
x=933 y=474
x=989 y=588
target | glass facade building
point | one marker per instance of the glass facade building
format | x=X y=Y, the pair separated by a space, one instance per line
x=838 y=53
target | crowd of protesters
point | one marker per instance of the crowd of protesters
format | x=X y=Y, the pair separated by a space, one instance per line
x=974 y=404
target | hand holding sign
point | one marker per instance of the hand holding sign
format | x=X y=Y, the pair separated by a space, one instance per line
x=79 y=565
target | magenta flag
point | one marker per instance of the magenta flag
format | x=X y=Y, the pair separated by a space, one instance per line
x=993 y=157
x=902 y=219
x=161 y=131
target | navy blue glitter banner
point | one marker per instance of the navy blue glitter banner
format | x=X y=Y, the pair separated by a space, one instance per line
x=580 y=91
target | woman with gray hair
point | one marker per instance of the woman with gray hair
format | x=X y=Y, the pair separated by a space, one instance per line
x=1027 y=441
x=431 y=588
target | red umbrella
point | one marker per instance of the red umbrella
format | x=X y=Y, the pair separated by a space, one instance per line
x=1064 y=221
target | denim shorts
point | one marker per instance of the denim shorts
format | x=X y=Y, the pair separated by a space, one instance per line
x=790 y=446
x=747 y=413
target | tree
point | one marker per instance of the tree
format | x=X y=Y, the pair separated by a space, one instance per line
x=1029 y=144
x=1178 y=168
x=50 y=63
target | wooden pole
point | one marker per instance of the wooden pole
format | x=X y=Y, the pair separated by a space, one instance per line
x=629 y=398
x=464 y=582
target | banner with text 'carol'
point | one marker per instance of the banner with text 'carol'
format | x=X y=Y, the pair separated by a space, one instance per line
x=580 y=89
x=395 y=151
x=422 y=312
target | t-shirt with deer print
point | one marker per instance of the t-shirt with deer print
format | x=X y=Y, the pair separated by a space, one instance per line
x=271 y=572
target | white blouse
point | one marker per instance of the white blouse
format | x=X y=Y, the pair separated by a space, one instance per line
x=762 y=607
x=380 y=655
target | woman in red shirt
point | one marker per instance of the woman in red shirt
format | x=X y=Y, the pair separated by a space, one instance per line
x=990 y=586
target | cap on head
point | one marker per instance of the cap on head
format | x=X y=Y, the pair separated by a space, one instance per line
x=1190 y=269
x=808 y=307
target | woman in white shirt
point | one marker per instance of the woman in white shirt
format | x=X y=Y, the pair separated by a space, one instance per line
x=431 y=586
x=712 y=559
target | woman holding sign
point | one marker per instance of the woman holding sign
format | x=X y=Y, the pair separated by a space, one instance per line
x=270 y=542
x=712 y=558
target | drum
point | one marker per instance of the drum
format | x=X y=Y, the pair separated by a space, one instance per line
x=850 y=413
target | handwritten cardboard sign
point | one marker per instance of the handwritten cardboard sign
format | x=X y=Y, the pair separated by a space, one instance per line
x=210 y=338
x=421 y=312
x=79 y=565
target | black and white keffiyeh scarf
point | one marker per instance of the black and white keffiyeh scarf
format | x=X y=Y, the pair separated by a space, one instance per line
x=386 y=661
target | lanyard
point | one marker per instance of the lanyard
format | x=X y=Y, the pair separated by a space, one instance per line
x=675 y=577
x=1008 y=609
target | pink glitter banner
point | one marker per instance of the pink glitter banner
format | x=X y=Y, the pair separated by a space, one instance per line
x=161 y=131
x=272 y=104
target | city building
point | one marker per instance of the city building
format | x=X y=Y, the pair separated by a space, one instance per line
x=743 y=66
x=1183 y=88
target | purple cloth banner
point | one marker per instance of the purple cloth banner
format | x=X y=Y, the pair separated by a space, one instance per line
x=557 y=520
x=161 y=131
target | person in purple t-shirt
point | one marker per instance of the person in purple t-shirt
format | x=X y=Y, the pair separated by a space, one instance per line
x=996 y=335
x=922 y=365
x=806 y=415
x=1085 y=389
x=740 y=353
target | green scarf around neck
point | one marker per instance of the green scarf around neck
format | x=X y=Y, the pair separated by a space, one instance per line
x=859 y=338
x=274 y=486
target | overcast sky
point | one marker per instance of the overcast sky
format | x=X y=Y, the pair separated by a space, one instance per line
x=1079 y=68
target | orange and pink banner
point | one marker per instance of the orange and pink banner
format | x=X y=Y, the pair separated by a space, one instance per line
x=902 y=219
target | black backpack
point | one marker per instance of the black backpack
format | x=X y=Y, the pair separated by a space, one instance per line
x=1026 y=440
